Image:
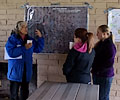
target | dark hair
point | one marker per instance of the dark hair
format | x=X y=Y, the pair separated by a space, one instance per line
x=81 y=33
x=105 y=28
x=85 y=37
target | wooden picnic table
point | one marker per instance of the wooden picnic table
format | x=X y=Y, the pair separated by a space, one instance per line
x=65 y=91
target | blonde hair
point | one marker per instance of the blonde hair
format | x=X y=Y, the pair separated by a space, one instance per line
x=105 y=28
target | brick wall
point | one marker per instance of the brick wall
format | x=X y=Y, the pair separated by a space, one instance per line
x=50 y=65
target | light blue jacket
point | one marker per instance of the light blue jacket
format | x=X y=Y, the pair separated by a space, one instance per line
x=15 y=47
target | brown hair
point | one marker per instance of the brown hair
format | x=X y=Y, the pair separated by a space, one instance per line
x=85 y=37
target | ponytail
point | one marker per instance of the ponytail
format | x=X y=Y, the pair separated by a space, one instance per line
x=13 y=32
x=86 y=37
x=90 y=41
x=112 y=37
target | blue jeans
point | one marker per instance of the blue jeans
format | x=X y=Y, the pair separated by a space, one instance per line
x=104 y=86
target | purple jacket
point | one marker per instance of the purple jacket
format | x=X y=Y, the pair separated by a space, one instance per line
x=104 y=58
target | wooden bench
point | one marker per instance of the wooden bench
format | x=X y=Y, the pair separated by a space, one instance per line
x=65 y=91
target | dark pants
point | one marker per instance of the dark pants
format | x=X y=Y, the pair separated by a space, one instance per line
x=105 y=85
x=24 y=89
x=76 y=78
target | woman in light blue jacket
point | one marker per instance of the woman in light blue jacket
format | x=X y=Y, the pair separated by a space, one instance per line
x=20 y=70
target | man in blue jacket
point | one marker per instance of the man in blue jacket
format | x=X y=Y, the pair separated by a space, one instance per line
x=20 y=69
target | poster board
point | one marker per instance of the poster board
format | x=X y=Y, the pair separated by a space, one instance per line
x=57 y=25
x=114 y=23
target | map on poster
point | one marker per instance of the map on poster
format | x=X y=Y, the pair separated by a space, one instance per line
x=57 y=25
x=114 y=23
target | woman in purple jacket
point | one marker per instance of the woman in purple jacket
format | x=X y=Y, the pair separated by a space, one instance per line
x=102 y=68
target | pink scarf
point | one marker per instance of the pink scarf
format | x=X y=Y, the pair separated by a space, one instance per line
x=80 y=47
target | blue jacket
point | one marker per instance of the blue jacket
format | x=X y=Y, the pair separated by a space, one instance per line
x=15 y=47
